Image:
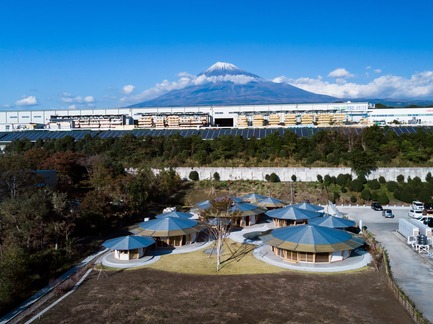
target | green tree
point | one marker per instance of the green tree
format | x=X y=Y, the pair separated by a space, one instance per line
x=400 y=178
x=193 y=175
x=373 y=184
x=363 y=162
x=356 y=185
x=366 y=194
x=383 y=199
x=274 y=177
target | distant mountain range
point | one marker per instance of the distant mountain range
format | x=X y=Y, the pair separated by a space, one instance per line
x=226 y=84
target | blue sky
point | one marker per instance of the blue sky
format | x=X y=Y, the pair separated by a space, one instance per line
x=77 y=54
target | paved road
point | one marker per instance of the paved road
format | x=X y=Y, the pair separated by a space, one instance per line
x=413 y=272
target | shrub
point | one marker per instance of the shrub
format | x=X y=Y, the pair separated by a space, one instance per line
x=373 y=184
x=366 y=194
x=374 y=195
x=356 y=185
x=319 y=178
x=400 y=178
x=343 y=179
x=294 y=178
x=429 y=177
x=383 y=199
x=216 y=176
x=193 y=175
x=343 y=189
x=352 y=199
x=363 y=179
x=327 y=180
x=336 y=196
x=382 y=179
x=267 y=177
x=392 y=186
x=274 y=178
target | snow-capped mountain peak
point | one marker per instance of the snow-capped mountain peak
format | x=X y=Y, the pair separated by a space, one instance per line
x=223 y=69
x=223 y=66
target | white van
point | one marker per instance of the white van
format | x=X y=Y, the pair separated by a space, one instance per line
x=417 y=205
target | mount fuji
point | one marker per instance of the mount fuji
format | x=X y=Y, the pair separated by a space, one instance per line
x=226 y=84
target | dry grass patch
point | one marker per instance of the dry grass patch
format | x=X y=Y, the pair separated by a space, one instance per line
x=240 y=260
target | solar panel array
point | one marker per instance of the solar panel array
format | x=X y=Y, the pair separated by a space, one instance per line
x=207 y=134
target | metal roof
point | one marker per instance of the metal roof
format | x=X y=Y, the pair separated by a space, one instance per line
x=246 y=209
x=292 y=213
x=253 y=197
x=128 y=242
x=308 y=206
x=332 y=222
x=312 y=238
x=270 y=203
x=169 y=226
x=175 y=214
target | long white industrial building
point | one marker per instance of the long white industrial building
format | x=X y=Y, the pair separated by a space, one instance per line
x=223 y=116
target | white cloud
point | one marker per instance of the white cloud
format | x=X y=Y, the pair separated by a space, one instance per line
x=27 y=101
x=340 y=73
x=72 y=107
x=89 y=99
x=68 y=98
x=377 y=71
x=387 y=86
x=185 y=80
x=128 y=89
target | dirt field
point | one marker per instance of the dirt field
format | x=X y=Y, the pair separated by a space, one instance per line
x=153 y=296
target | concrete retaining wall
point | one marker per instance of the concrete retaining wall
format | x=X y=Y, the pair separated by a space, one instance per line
x=302 y=174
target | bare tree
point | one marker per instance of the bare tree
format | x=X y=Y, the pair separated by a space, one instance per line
x=218 y=220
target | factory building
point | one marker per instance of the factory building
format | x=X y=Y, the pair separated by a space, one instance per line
x=242 y=116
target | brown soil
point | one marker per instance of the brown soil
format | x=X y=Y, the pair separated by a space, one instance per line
x=151 y=296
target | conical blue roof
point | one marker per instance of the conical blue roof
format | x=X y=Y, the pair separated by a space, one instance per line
x=292 y=213
x=253 y=197
x=308 y=206
x=203 y=205
x=246 y=209
x=312 y=238
x=270 y=202
x=176 y=214
x=169 y=226
x=332 y=222
x=128 y=242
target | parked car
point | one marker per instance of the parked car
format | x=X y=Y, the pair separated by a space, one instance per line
x=417 y=214
x=417 y=205
x=387 y=213
x=376 y=206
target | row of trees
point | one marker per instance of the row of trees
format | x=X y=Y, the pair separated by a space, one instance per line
x=363 y=151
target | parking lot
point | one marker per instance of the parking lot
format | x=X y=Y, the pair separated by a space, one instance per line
x=413 y=272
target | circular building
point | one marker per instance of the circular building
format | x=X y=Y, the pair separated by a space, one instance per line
x=171 y=231
x=291 y=215
x=245 y=214
x=271 y=203
x=310 y=243
x=129 y=247
x=332 y=222
x=308 y=206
